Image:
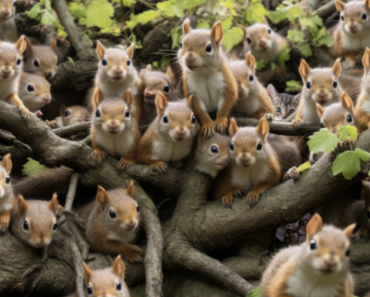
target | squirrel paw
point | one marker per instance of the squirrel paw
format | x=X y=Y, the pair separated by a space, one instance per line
x=179 y=164
x=240 y=193
x=252 y=198
x=227 y=201
x=52 y=124
x=99 y=155
x=124 y=163
x=208 y=130
x=297 y=123
x=159 y=166
x=346 y=145
x=222 y=124
x=269 y=116
x=292 y=173
x=24 y=111
x=4 y=220
x=134 y=254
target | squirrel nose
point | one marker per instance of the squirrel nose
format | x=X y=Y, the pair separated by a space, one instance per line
x=190 y=59
x=5 y=13
x=49 y=75
x=131 y=225
x=112 y=126
x=149 y=96
x=262 y=43
x=330 y=263
x=46 y=99
x=119 y=71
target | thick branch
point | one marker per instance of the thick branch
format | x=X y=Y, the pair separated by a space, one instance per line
x=72 y=130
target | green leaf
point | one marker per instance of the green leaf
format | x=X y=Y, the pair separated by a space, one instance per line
x=255 y=12
x=295 y=36
x=77 y=10
x=322 y=141
x=273 y=66
x=47 y=18
x=255 y=293
x=304 y=167
x=363 y=155
x=232 y=37
x=176 y=34
x=99 y=14
x=230 y=6
x=227 y=23
x=126 y=3
x=305 y=49
x=278 y=15
x=348 y=131
x=322 y=38
x=260 y=64
x=294 y=12
x=166 y=8
x=347 y=163
x=32 y=167
x=145 y=17
x=202 y=25
x=71 y=61
x=293 y=86
x=283 y=56
x=34 y=12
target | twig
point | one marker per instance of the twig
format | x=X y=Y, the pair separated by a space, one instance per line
x=78 y=268
x=71 y=191
x=72 y=130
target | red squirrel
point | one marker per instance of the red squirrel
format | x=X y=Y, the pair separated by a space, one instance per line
x=6 y=192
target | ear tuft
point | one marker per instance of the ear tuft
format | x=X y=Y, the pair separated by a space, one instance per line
x=7 y=163
x=336 y=68
x=244 y=31
x=102 y=197
x=263 y=128
x=98 y=96
x=250 y=60
x=304 y=69
x=130 y=50
x=314 y=225
x=346 y=102
x=53 y=45
x=54 y=204
x=131 y=190
x=87 y=272
x=119 y=267
x=340 y=5
x=170 y=74
x=217 y=33
x=22 y=205
x=148 y=67
x=100 y=49
x=161 y=102
x=349 y=230
x=21 y=44
x=265 y=21
x=186 y=26
x=233 y=128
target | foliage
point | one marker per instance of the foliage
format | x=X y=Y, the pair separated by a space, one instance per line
x=32 y=167
x=255 y=293
x=304 y=167
x=323 y=141
x=293 y=86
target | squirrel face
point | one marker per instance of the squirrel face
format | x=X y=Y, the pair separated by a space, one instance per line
x=5 y=169
x=42 y=59
x=321 y=84
x=354 y=16
x=34 y=221
x=74 y=114
x=7 y=9
x=260 y=37
x=200 y=48
x=175 y=119
x=115 y=64
x=11 y=58
x=248 y=145
x=106 y=282
x=118 y=211
x=338 y=114
x=244 y=75
x=326 y=251
x=34 y=91
x=113 y=115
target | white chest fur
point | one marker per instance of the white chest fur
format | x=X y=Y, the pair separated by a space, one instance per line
x=267 y=56
x=247 y=106
x=248 y=177
x=356 y=42
x=208 y=87
x=366 y=106
x=167 y=150
x=115 y=145
x=127 y=236
x=309 y=112
x=8 y=87
x=117 y=89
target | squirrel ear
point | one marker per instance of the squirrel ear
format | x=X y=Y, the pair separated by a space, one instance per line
x=119 y=267
x=54 y=204
x=29 y=46
x=160 y=102
x=366 y=60
x=346 y=102
x=7 y=163
x=186 y=26
x=250 y=61
x=340 y=5
x=201 y=140
x=349 y=230
x=313 y=226
x=336 y=67
x=98 y=96
x=130 y=50
x=367 y=3
x=131 y=190
x=87 y=272
x=217 y=33
x=100 y=49
x=53 y=44
x=148 y=67
x=127 y=97
x=304 y=70
x=189 y=101
x=22 y=205
x=263 y=128
x=102 y=197
x=233 y=128
x=21 y=44
x=170 y=74
x=244 y=31
x=265 y=21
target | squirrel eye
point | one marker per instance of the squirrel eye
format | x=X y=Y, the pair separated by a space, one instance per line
x=347 y=252
x=89 y=290
x=118 y=286
x=128 y=62
x=209 y=48
x=291 y=111
x=67 y=113
x=231 y=146
x=165 y=119
x=127 y=113
x=259 y=146
x=335 y=84
x=180 y=44
x=214 y=149
x=25 y=226
x=278 y=109
x=249 y=40
x=137 y=208
x=313 y=244
x=349 y=118
x=342 y=17
x=289 y=231
x=36 y=63
x=30 y=88
x=19 y=61
x=251 y=77
x=97 y=113
x=104 y=62
x=166 y=88
x=55 y=225
x=193 y=119
x=308 y=85
x=7 y=179
x=112 y=214
x=301 y=223
x=364 y=16
x=322 y=124
x=269 y=30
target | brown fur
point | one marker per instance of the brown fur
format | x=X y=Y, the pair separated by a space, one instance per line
x=69 y=116
x=6 y=192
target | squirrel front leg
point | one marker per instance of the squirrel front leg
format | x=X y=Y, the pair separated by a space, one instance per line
x=224 y=112
x=4 y=220
x=99 y=154
x=19 y=104
x=127 y=160
x=129 y=251
x=208 y=127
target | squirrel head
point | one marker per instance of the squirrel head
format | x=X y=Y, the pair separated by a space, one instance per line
x=118 y=209
x=74 y=114
x=321 y=84
x=106 y=282
x=7 y=9
x=11 y=58
x=200 y=48
x=354 y=16
x=5 y=185
x=35 y=221
x=175 y=119
x=249 y=145
x=42 y=59
x=34 y=91
x=259 y=36
x=212 y=153
x=115 y=64
x=338 y=114
x=244 y=73
x=326 y=250
x=113 y=115
x=153 y=82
